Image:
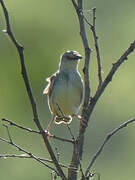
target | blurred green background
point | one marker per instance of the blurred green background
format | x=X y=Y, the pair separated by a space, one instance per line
x=46 y=29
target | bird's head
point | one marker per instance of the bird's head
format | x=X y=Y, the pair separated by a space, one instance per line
x=71 y=55
x=69 y=60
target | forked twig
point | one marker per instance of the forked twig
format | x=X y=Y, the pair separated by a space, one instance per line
x=109 y=77
x=9 y=136
x=29 y=154
x=29 y=91
x=36 y=132
x=125 y=124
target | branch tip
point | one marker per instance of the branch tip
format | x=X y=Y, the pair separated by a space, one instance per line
x=109 y=135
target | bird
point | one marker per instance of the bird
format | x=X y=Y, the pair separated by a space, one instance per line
x=65 y=89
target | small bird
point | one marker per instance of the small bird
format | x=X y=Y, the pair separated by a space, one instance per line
x=65 y=89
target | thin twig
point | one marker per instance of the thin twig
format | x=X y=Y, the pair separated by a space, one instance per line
x=87 y=21
x=87 y=50
x=81 y=170
x=30 y=155
x=89 y=104
x=69 y=129
x=62 y=114
x=72 y=173
x=29 y=91
x=109 y=77
x=21 y=156
x=23 y=150
x=26 y=156
x=21 y=127
x=62 y=139
x=125 y=124
x=79 y=10
x=34 y=131
x=75 y=4
x=90 y=176
x=8 y=132
x=93 y=28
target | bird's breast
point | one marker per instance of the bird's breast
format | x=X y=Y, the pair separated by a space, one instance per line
x=66 y=94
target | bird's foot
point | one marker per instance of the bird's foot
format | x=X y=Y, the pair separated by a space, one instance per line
x=63 y=119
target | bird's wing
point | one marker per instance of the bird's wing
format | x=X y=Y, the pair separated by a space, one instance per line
x=80 y=89
x=51 y=81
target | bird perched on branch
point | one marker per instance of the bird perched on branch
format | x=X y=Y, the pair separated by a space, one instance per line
x=65 y=89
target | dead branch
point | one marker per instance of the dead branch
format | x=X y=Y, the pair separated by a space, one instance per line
x=108 y=137
x=109 y=77
x=78 y=147
x=20 y=51
x=36 y=132
x=93 y=29
x=29 y=154
x=26 y=156
x=89 y=103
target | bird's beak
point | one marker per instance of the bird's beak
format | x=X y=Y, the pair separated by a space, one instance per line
x=77 y=56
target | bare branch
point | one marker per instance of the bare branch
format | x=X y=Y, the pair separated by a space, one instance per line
x=8 y=132
x=93 y=28
x=72 y=173
x=21 y=156
x=69 y=129
x=29 y=91
x=24 y=72
x=87 y=22
x=109 y=77
x=88 y=104
x=81 y=170
x=88 y=107
x=22 y=150
x=37 y=132
x=19 y=126
x=62 y=139
x=79 y=11
x=74 y=4
x=125 y=124
x=26 y=156
x=30 y=155
x=77 y=148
